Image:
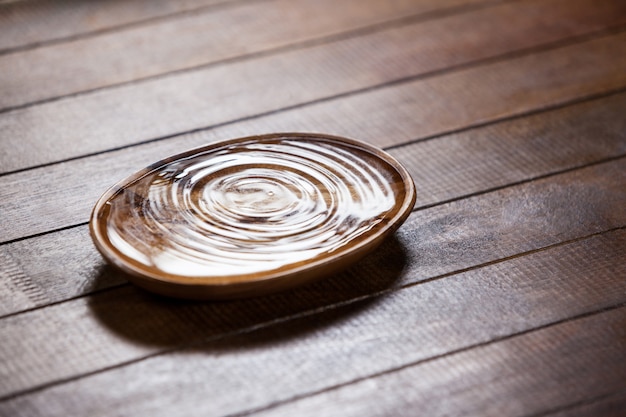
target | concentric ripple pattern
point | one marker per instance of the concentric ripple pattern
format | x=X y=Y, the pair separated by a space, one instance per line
x=249 y=207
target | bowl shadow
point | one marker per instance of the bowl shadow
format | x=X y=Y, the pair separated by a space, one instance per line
x=147 y=319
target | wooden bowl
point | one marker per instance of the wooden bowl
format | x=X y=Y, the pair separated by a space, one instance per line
x=253 y=215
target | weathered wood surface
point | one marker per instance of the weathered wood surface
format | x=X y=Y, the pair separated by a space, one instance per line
x=123 y=56
x=492 y=156
x=130 y=54
x=504 y=293
x=493 y=379
x=488 y=158
x=438 y=241
x=199 y=99
x=25 y=24
x=388 y=331
x=606 y=405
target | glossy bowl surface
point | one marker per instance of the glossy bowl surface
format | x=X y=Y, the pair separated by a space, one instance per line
x=253 y=215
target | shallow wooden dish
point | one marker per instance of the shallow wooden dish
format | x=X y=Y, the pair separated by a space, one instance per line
x=253 y=215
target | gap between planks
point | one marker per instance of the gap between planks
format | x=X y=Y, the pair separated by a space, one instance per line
x=515 y=255
x=416 y=208
x=537 y=162
x=225 y=4
x=24 y=46
x=64 y=89
x=407 y=367
x=471 y=126
x=113 y=287
x=600 y=405
x=540 y=325
x=256 y=113
x=587 y=112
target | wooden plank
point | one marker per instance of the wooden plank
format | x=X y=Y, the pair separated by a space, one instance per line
x=485 y=158
x=127 y=324
x=219 y=34
x=25 y=24
x=469 y=162
x=31 y=274
x=437 y=308
x=63 y=195
x=571 y=362
x=157 y=108
x=607 y=406
x=128 y=55
x=233 y=371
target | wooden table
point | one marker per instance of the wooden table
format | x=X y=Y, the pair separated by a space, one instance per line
x=503 y=294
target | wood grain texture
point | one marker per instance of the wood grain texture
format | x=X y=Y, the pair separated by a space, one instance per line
x=26 y=24
x=18 y=290
x=232 y=373
x=504 y=293
x=35 y=263
x=126 y=324
x=574 y=361
x=611 y=405
x=63 y=195
x=170 y=105
x=215 y=35
x=468 y=162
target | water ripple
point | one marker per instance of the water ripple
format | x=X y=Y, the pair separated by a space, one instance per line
x=250 y=206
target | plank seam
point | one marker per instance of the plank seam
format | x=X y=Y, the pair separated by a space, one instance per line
x=578 y=404
x=318 y=310
x=365 y=30
x=66 y=300
x=47 y=232
x=45 y=303
x=512 y=117
x=417 y=208
x=404 y=80
x=138 y=23
x=524 y=181
x=432 y=358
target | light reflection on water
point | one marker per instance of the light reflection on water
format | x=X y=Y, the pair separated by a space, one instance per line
x=250 y=207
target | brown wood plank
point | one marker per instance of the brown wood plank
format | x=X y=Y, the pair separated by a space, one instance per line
x=467 y=163
x=63 y=195
x=503 y=294
x=224 y=33
x=230 y=374
x=126 y=324
x=26 y=24
x=606 y=406
x=157 y=108
x=575 y=361
x=508 y=152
